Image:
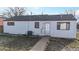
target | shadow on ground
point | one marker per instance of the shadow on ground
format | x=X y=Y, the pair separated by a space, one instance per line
x=57 y=44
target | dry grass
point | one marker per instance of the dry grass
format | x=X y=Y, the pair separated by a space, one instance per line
x=75 y=43
x=17 y=43
x=57 y=44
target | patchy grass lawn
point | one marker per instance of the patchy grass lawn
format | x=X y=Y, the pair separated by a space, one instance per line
x=17 y=43
x=57 y=44
x=75 y=43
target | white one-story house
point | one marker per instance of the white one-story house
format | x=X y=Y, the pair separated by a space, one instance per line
x=63 y=26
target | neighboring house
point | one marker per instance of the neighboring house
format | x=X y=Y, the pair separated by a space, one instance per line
x=63 y=26
x=1 y=24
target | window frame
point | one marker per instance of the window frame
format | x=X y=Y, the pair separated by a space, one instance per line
x=11 y=23
x=36 y=25
x=59 y=25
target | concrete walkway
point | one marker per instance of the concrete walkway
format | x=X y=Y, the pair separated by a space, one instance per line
x=41 y=44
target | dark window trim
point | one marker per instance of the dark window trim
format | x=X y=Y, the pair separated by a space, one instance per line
x=10 y=23
x=58 y=26
x=36 y=24
x=68 y=25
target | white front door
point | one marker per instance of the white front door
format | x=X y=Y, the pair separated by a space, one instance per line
x=46 y=29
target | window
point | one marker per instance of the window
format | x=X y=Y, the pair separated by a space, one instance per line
x=63 y=25
x=36 y=24
x=10 y=23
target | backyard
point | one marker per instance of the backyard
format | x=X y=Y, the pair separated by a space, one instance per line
x=58 y=44
x=17 y=42
x=25 y=43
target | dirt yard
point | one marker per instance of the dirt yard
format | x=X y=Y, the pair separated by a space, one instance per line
x=17 y=43
x=57 y=44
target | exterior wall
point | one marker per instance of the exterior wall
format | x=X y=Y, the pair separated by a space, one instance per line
x=64 y=33
x=21 y=27
x=18 y=28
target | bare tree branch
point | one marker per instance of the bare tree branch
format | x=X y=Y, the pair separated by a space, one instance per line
x=70 y=12
x=16 y=11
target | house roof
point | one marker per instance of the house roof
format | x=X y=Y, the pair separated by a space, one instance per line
x=67 y=17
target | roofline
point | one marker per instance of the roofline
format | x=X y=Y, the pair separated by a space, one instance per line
x=44 y=20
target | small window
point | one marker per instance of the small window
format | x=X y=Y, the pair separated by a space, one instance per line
x=36 y=24
x=10 y=23
x=63 y=25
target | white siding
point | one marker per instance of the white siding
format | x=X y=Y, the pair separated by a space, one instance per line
x=21 y=27
x=18 y=28
x=64 y=33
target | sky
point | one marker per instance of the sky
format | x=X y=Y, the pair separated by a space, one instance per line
x=50 y=10
x=45 y=10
